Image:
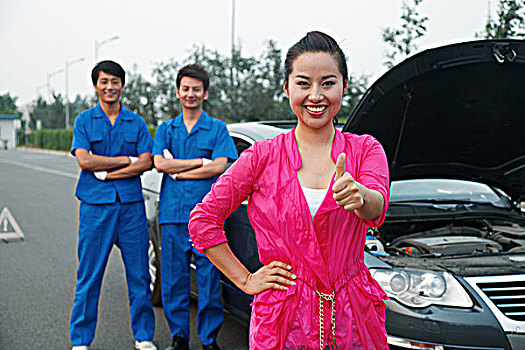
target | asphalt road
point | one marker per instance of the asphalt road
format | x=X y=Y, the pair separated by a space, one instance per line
x=37 y=275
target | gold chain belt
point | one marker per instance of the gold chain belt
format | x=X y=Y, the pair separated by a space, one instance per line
x=322 y=298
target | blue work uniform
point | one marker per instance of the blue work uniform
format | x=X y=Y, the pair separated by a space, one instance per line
x=209 y=138
x=111 y=213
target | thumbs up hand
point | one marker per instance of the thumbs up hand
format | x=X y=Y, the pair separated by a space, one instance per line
x=347 y=192
x=340 y=166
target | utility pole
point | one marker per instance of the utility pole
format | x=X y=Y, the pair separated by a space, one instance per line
x=98 y=44
x=49 y=75
x=38 y=88
x=232 y=67
x=68 y=64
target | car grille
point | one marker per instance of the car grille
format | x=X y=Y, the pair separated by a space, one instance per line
x=509 y=297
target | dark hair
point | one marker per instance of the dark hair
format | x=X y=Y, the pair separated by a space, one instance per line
x=316 y=42
x=194 y=71
x=108 y=67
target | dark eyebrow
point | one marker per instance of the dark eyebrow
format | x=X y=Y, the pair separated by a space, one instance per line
x=302 y=77
x=308 y=78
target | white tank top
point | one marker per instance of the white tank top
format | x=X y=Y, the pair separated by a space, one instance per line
x=314 y=198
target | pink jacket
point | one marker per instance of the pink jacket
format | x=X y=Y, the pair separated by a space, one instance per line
x=327 y=253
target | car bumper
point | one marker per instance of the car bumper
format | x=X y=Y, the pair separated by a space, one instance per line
x=444 y=328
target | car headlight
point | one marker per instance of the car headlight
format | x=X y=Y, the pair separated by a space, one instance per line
x=420 y=288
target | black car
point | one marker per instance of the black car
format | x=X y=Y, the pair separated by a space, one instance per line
x=451 y=253
x=238 y=228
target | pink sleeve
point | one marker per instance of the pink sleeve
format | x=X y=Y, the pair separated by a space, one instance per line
x=206 y=224
x=373 y=174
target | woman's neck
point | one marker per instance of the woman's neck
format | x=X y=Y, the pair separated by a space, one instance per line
x=315 y=148
x=314 y=138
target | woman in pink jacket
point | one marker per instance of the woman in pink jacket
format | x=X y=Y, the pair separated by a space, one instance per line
x=312 y=193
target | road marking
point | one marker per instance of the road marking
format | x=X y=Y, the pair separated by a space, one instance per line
x=39 y=168
x=9 y=228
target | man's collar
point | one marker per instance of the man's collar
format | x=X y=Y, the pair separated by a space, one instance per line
x=176 y=122
x=204 y=121
x=99 y=112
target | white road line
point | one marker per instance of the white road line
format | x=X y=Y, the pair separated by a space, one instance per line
x=39 y=168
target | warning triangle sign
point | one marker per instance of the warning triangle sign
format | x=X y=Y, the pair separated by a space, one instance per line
x=9 y=229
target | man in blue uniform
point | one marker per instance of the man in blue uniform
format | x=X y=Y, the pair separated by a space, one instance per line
x=113 y=147
x=191 y=150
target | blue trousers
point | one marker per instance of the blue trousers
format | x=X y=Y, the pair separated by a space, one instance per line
x=100 y=227
x=175 y=255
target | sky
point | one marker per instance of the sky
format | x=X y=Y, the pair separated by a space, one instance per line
x=38 y=37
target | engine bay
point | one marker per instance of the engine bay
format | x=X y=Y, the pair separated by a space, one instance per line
x=450 y=241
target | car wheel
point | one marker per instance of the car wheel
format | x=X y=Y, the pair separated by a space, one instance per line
x=154 y=268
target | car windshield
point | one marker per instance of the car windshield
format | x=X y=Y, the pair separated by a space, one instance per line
x=444 y=190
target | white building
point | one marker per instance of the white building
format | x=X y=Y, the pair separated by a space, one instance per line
x=9 y=124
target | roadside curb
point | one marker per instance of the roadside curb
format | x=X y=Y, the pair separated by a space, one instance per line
x=43 y=150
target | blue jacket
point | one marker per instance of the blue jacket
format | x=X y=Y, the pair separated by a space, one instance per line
x=129 y=136
x=209 y=139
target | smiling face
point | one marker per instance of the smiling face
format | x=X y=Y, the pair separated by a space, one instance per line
x=108 y=88
x=315 y=89
x=191 y=93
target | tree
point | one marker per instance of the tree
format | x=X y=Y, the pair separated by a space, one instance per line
x=8 y=104
x=219 y=103
x=51 y=115
x=241 y=89
x=244 y=88
x=357 y=85
x=509 y=22
x=56 y=113
x=164 y=74
x=39 y=112
x=263 y=92
x=401 y=40
x=139 y=96
x=78 y=105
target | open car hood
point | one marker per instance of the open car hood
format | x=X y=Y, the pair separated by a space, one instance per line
x=456 y=111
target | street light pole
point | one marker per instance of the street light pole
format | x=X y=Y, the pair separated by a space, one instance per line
x=233 y=27
x=232 y=66
x=99 y=44
x=38 y=88
x=68 y=64
x=49 y=75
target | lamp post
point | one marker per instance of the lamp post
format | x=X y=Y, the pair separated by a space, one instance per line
x=49 y=75
x=232 y=66
x=38 y=88
x=233 y=27
x=98 y=44
x=68 y=64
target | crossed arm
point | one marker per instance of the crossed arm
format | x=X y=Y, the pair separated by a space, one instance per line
x=190 y=169
x=94 y=162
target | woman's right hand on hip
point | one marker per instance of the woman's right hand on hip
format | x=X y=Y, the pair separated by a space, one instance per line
x=275 y=275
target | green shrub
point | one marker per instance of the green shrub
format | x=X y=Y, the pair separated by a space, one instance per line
x=56 y=139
